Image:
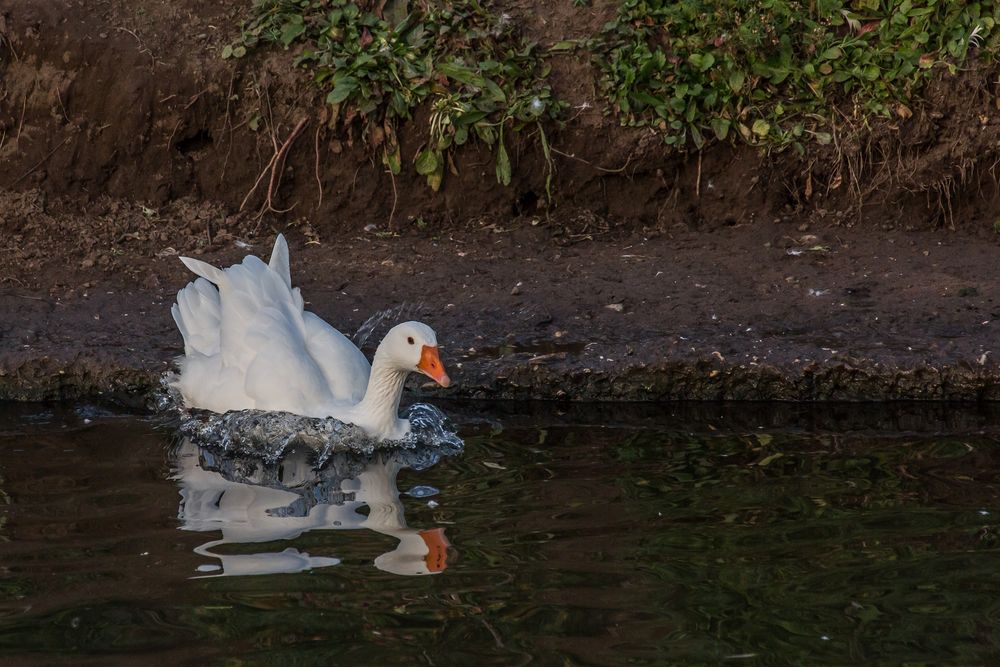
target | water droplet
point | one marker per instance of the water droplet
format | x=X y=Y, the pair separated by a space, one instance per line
x=401 y=313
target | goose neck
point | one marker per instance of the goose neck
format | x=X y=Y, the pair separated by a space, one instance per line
x=380 y=405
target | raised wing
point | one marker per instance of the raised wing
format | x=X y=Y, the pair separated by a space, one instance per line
x=281 y=357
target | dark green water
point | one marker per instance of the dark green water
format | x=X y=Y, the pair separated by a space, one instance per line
x=755 y=535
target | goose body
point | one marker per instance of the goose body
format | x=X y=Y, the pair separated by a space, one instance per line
x=249 y=343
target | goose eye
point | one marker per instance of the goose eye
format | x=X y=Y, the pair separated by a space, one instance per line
x=409 y=339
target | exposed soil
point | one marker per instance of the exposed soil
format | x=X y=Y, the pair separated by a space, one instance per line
x=867 y=270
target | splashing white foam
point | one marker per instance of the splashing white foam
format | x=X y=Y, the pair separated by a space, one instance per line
x=269 y=435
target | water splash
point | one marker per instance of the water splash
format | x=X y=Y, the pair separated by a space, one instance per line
x=320 y=485
x=270 y=436
x=429 y=426
x=423 y=491
x=395 y=315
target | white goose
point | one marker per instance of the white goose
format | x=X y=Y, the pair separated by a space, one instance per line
x=251 y=345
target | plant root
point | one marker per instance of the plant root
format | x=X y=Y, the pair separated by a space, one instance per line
x=275 y=166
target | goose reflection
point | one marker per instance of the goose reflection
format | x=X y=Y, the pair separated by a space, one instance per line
x=252 y=502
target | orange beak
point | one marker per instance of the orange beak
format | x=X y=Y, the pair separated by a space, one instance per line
x=431 y=366
x=437 y=549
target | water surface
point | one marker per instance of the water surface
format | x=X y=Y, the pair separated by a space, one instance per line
x=763 y=535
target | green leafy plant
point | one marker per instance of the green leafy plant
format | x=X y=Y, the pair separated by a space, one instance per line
x=379 y=64
x=774 y=72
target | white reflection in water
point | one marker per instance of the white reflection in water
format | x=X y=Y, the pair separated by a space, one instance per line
x=252 y=502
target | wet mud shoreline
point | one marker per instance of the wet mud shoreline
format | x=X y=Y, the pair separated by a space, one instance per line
x=685 y=316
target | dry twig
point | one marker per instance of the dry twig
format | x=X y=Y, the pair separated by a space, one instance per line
x=319 y=183
x=275 y=166
x=40 y=162
x=591 y=164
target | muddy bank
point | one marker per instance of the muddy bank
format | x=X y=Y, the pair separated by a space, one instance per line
x=131 y=100
x=864 y=271
x=746 y=313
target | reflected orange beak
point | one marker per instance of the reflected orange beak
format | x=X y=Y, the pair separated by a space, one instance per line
x=431 y=366
x=437 y=549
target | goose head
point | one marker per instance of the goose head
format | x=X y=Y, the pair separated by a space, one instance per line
x=412 y=346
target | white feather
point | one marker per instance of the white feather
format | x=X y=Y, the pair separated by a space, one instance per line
x=249 y=344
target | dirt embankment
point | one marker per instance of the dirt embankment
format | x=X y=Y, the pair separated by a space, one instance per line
x=865 y=270
x=131 y=100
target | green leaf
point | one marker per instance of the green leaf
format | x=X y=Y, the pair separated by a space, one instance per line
x=495 y=91
x=470 y=118
x=703 y=61
x=697 y=137
x=435 y=178
x=467 y=76
x=391 y=159
x=291 y=30
x=239 y=51
x=691 y=111
x=647 y=99
x=503 y=163
x=779 y=75
x=565 y=45
x=227 y=52
x=721 y=128
x=761 y=127
x=427 y=162
x=486 y=133
x=342 y=90
x=768 y=459
x=736 y=81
